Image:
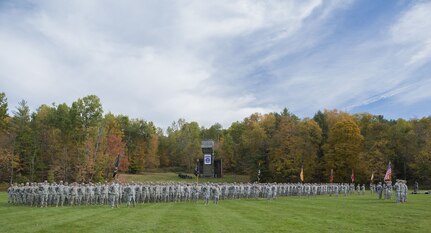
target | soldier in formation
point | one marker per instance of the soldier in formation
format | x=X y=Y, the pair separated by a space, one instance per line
x=113 y=194
x=372 y=188
x=401 y=190
x=379 y=190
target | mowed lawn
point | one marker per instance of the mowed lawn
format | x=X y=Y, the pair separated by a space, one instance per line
x=287 y=214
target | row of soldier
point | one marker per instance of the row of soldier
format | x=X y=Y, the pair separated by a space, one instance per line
x=385 y=190
x=45 y=194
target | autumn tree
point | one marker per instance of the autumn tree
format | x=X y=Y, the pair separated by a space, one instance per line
x=307 y=142
x=343 y=151
x=255 y=143
x=376 y=150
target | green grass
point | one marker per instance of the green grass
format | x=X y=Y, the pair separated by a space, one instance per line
x=287 y=214
x=171 y=176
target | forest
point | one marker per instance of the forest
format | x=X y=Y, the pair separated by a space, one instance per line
x=80 y=142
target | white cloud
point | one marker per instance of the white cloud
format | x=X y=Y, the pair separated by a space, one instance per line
x=354 y=73
x=413 y=33
x=205 y=61
x=143 y=58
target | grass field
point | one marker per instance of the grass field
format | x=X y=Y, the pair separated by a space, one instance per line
x=287 y=214
x=171 y=176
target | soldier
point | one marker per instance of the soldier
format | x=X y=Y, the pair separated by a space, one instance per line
x=86 y=193
x=138 y=191
x=187 y=192
x=97 y=189
x=352 y=188
x=268 y=191
x=194 y=193
x=397 y=188
x=40 y=191
x=336 y=188
x=73 y=193
x=10 y=192
x=346 y=189
x=379 y=190
x=52 y=194
x=66 y=194
x=144 y=193
x=389 y=190
x=114 y=193
x=104 y=194
x=81 y=193
x=216 y=194
x=207 y=194
x=128 y=193
x=178 y=193
x=30 y=194
x=132 y=195
x=17 y=193
x=59 y=189
x=91 y=194
x=45 y=186
x=404 y=190
x=385 y=191
x=25 y=193
x=164 y=193
x=120 y=192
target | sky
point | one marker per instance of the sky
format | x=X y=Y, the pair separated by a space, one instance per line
x=219 y=60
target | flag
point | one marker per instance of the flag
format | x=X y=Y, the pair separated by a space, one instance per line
x=388 y=175
x=302 y=174
x=353 y=177
x=197 y=168
x=372 y=177
x=331 y=178
x=117 y=163
x=258 y=173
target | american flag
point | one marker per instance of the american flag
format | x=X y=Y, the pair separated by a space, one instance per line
x=388 y=175
x=353 y=177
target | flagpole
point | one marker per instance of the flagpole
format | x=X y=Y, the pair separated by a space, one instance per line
x=258 y=173
x=197 y=171
x=331 y=177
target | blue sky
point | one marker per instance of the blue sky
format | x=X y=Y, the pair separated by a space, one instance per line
x=219 y=61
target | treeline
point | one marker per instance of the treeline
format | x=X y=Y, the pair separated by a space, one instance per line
x=80 y=143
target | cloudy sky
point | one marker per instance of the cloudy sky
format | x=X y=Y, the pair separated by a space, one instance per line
x=219 y=61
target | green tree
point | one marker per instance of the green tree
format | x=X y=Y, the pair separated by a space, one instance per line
x=3 y=111
x=23 y=142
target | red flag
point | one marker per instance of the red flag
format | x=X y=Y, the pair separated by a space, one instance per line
x=388 y=175
x=331 y=178
x=353 y=177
